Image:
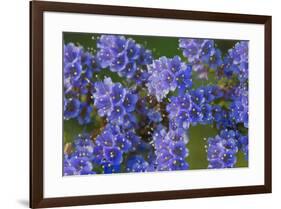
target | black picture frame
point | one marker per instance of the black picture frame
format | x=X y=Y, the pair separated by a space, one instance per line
x=37 y=8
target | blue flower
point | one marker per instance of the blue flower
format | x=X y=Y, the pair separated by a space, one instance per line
x=129 y=121
x=71 y=108
x=72 y=71
x=136 y=164
x=72 y=53
x=108 y=168
x=129 y=70
x=195 y=114
x=207 y=50
x=179 y=149
x=130 y=101
x=179 y=164
x=84 y=142
x=117 y=93
x=239 y=111
x=105 y=139
x=191 y=48
x=104 y=105
x=105 y=57
x=103 y=88
x=229 y=159
x=215 y=59
x=132 y=49
x=222 y=149
x=207 y=112
x=116 y=44
x=176 y=64
x=113 y=155
x=117 y=113
x=123 y=143
x=82 y=165
x=124 y=56
x=184 y=80
x=115 y=102
x=165 y=76
x=202 y=54
x=236 y=62
x=134 y=139
x=243 y=145
x=145 y=56
x=98 y=154
x=183 y=119
x=167 y=80
x=170 y=149
x=197 y=96
x=164 y=160
x=119 y=63
x=68 y=168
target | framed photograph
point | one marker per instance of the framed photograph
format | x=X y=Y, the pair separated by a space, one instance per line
x=139 y=104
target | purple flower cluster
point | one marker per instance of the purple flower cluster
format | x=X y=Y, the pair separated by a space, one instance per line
x=193 y=108
x=239 y=106
x=111 y=145
x=236 y=62
x=106 y=152
x=235 y=65
x=79 y=67
x=222 y=149
x=167 y=75
x=79 y=162
x=170 y=149
x=239 y=67
x=202 y=54
x=115 y=102
x=124 y=56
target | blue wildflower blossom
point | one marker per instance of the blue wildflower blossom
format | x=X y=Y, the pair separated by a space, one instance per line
x=132 y=49
x=136 y=164
x=114 y=101
x=222 y=149
x=170 y=150
x=82 y=165
x=108 y=168
x=119 y=63
x=165 y=76
x=113 y=155
x=71 y=108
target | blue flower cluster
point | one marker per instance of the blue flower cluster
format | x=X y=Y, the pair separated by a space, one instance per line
x=170 y=149
x=142 y=117
x=79 y=67
x=222 y=149
x=236 y=62
x=106 y=153
x=115 y=102
x=167 y=75
x=111 y=145
x=193 y=108
x=124 y=56
x=239 y=67
x=202 y=54
x=79 y=161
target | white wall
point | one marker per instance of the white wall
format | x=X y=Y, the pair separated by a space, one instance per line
x=14 y=103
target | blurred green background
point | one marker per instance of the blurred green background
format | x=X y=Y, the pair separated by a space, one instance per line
x=160 y=46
